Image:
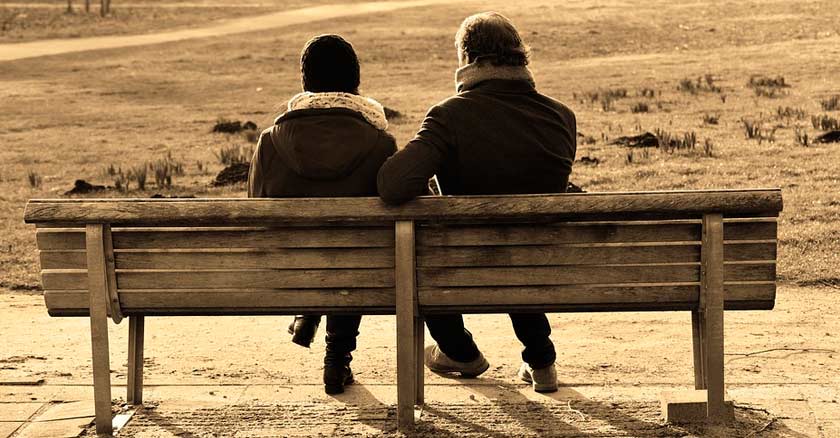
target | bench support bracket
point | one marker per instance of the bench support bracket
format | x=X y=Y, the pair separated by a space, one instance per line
x=409 y=327
x=98 y=279
x=707 y=336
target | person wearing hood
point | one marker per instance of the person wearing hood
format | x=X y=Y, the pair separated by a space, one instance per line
x=497 y=135
x=330 y=142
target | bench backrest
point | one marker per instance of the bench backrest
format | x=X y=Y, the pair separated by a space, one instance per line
x=571 y=252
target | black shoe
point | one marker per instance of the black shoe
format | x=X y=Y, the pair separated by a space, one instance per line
x=335 y=377
x=304 y=328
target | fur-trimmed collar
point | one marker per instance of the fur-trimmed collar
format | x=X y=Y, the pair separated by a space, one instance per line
x=470 y=75
x=371 y=110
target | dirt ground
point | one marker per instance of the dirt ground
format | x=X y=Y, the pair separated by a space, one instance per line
x=72 y=116
x=240 y=376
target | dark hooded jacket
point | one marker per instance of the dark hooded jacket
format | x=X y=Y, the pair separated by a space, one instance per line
x=319 y=152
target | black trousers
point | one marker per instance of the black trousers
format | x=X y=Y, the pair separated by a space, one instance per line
x=532 y=329
x=342 y=331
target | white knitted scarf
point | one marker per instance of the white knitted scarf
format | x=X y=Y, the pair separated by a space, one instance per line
x=370 y=109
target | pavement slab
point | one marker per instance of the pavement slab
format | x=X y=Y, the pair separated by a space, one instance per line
x=10 y=411
x=7 y=428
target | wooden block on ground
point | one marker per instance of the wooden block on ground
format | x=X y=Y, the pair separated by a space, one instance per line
x=690 y=406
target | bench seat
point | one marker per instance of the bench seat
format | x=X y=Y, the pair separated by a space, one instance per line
x=696 y=251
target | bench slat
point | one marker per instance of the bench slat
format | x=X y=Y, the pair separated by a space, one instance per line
x=560 y=233
x=541 y=255
x=589 y=294
x=595 y=274
x=498 y=207
x=271 y=279
x=279 y=301
x=739 y=296
x=220 y=258
x=302 y=258
x=258 y=238
x=509 y=234
x=568 y=233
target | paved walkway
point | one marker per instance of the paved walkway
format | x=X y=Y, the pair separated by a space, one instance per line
x=475 y=408
x=9 y=52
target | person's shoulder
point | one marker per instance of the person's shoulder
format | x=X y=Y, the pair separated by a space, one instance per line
x=558 y=105
x=386 y=142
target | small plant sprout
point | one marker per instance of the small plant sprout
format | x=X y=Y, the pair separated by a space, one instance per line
x=801 y=136
x=139 y=174
x=708 y=148
x=640 y=107
x=34 y=179
x=233 y=154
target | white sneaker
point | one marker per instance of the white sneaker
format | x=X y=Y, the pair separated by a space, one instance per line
x=543 y=379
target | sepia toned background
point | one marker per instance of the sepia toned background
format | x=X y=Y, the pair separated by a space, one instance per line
x=737 y=94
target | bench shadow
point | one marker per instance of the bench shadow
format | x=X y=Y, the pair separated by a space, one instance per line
x=369 y=410
x=541 y=420
x=165 y=423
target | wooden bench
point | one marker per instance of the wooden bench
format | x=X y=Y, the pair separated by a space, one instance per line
x=695 y=251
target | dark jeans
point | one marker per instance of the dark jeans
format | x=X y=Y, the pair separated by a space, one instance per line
x=456 y=341
x=342 y=331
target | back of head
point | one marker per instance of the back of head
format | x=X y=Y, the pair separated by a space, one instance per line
x=328 y=63
x=491 y=36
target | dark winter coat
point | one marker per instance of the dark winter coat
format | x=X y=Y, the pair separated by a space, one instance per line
x=319 y=152
x=497 y=137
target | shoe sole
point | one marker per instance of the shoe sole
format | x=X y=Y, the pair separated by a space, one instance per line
x=469 y=375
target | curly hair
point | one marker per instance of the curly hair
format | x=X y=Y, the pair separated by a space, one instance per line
x=329 y=63
x=491 y=36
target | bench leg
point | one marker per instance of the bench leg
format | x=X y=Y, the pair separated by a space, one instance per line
x=419 y=339
x=711 y=318
x=699 y=356
x=98 y=290
x=134 y=388
x=407 y=316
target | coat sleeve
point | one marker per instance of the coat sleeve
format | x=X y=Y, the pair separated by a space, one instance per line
x=256 y=176
x=406 y=174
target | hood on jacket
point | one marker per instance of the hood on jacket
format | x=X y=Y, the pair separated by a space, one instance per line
x=326 y=136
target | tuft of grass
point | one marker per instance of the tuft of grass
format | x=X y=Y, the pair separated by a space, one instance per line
x=790 y=113
x=830 y=103
x=139 y=174
x=824 y=122
x=165 y=169
x=233 y=154
x=34 y=179
x=770 y=93
x=122 y=182
x=670 y=142
x=755 y=130
x=708 y=148
x=767 y=82
x=637 y=155
x=639 y=107
x=711 y=119
x=646 y=92
x=766 y=86
x=801 y=136
x=705 y=83
x=606 y=97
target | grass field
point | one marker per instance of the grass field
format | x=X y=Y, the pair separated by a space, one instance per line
x=32 y=20
x=72 y=116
